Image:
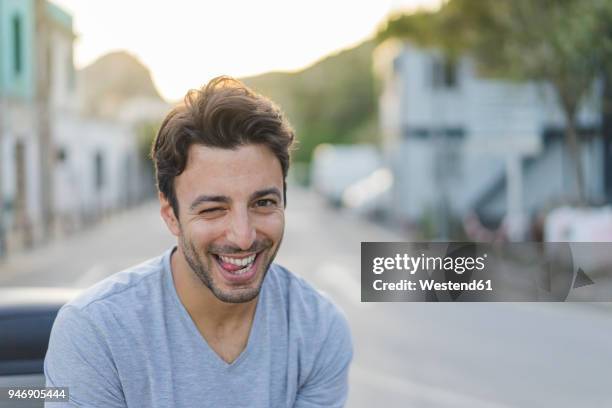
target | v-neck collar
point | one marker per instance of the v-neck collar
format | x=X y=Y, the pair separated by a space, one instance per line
x=191 y=326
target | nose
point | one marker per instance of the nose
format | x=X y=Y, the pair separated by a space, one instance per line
x=241 y=231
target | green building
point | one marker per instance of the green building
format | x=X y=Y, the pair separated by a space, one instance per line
x=31 y=31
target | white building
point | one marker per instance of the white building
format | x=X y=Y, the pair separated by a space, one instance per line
x=58 y=169
x=458 y=142
x=96 y=165
x=96 y=170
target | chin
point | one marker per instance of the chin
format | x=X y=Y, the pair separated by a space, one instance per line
x=240 y=288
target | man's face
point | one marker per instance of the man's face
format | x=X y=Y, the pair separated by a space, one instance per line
x=231 y=217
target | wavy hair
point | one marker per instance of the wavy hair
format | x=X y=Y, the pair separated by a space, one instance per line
x=224 y=114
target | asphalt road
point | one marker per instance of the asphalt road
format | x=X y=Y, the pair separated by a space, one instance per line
x=406 y=354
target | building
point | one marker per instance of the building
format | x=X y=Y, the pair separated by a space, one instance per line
x=59 y=168
x=458 y=142
x=22 y=133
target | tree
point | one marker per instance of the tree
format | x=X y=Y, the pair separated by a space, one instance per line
x=332 y=101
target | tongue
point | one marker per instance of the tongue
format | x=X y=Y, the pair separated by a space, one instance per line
x=230 y=266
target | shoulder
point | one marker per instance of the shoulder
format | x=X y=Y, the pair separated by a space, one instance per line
x=124 y=291
x=89 y=330
x=308 y=309
x=92 y=333
x=122 y=284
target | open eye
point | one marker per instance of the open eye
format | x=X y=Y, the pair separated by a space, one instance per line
x=265 y=202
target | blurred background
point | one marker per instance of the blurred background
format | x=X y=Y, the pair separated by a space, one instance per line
x=466 y=120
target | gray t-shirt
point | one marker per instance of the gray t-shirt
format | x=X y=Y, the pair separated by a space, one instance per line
x=129 y=341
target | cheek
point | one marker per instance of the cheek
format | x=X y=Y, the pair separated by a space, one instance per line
x=272 y=225
x=202 y=234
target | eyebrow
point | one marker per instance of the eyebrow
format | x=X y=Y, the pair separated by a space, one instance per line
x=208 y=198
x=224 y=199
x=268 y=191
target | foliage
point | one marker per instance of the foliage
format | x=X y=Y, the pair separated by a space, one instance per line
x=425 y=28
x=146 y=132
x=332 y=101
x=556 y=41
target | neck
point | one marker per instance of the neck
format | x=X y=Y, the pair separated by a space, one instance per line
x=201 y=303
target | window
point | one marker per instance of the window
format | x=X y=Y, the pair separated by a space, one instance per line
x=70 y=72
x=417 y=133
x=452 y=152
x=99 y=171
x=397 y=64
x=444 y=73
x=61 y=155
x=17 y=45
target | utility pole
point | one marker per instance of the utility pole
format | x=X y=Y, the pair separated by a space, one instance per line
x=606 y=130
x=514 y=201
x=441 y=142
x=43 y=84
x=442 y=153
x=2 y=207
x=3 y=232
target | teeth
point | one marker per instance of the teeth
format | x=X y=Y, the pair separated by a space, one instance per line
x=239 y=262
x=241 y=271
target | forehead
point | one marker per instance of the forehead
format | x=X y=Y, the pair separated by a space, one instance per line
x=230 y=172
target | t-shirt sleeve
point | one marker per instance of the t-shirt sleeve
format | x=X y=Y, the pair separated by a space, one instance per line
x=79 y=358
x=327 y=384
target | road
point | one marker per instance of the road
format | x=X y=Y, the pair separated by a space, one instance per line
x=406 y=354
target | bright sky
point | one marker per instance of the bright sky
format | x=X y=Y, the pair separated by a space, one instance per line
x=186 y=42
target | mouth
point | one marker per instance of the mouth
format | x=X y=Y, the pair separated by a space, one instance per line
x=238 y=269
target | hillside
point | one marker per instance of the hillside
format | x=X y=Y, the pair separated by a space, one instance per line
x=331 y=101
x=111 y=80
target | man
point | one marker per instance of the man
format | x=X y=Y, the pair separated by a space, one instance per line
x=212 y=322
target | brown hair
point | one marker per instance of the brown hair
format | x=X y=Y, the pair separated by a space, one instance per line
x=225 y=114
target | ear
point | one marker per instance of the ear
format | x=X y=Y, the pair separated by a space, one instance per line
x=168 y=215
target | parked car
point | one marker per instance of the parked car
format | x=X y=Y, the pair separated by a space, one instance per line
x=26 y=318
x=336 y=167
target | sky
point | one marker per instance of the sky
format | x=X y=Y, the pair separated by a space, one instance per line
x=187 y=42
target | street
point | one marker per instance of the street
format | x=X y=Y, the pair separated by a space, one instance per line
x=406 y=354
